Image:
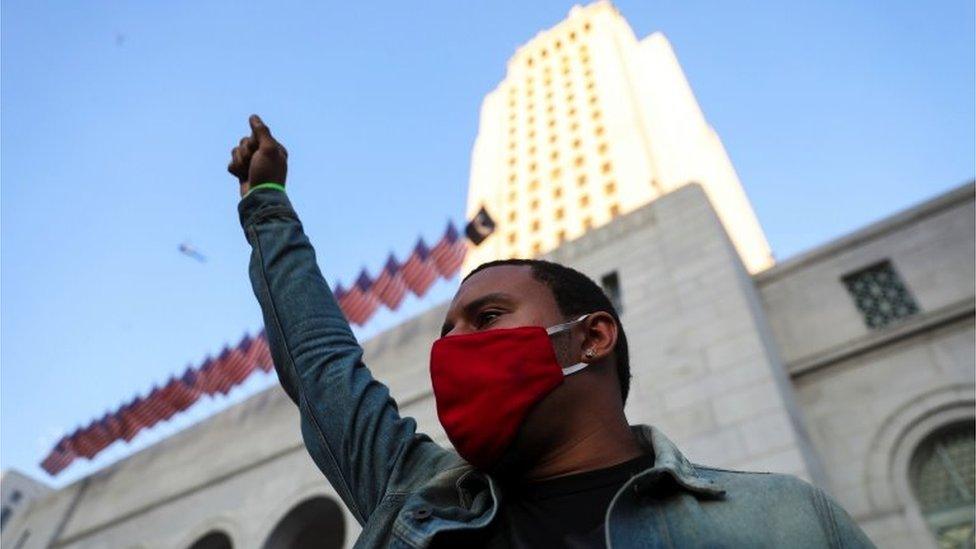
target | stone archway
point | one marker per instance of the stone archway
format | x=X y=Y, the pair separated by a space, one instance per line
x=314 y=523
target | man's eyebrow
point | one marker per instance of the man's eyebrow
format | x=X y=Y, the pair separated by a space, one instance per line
x=476 y=304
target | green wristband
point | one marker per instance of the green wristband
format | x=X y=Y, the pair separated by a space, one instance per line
x=275 y=186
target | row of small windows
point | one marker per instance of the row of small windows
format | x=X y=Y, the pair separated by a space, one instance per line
x=554 y=153
x=587 y=223
x=558 y=43
x=578 y=161
x=589 y=85
x=610 y=187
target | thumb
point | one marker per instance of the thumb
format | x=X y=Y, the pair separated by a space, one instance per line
x=259 y=131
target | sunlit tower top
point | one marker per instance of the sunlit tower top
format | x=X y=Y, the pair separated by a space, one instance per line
x=590 y=123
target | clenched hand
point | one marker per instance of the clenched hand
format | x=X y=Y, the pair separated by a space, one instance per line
x=258 y=158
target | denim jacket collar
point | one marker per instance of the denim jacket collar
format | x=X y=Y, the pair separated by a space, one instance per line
x=479 y=495
x=668 y=461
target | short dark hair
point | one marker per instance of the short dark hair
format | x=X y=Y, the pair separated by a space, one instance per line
x=576 y=294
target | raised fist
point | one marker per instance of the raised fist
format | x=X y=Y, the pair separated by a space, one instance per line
x=258 y=158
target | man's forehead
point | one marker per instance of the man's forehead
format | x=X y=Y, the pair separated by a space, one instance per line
x=515 y=280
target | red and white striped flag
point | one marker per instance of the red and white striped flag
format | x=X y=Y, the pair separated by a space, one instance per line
x=389 y=287
x=418 y=272
x=59 y=457
x=448 y=254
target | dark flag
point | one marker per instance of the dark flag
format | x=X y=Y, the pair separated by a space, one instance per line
x=480 y=227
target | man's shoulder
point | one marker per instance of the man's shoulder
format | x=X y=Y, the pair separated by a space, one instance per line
x=753 y=479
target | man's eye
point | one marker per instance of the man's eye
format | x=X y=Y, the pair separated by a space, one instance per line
x=487 y=317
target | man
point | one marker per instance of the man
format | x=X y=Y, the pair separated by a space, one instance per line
x=530 y=377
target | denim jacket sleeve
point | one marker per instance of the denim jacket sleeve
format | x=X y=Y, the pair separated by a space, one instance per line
x=350 y=424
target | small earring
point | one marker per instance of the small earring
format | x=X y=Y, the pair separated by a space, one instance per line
x=590 y=353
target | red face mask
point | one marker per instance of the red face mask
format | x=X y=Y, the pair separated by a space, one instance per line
x=485 y=384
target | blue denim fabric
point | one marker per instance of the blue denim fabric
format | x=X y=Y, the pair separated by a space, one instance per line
x=404 y=489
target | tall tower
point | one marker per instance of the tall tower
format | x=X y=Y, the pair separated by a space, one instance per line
x=590 y=123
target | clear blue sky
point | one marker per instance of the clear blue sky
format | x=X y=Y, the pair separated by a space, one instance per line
x=118 y=118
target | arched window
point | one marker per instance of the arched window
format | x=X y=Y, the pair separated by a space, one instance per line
x=213 y=540
x=943 y=478
x=315 y=523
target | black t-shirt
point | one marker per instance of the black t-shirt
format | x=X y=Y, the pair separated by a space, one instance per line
x=562 y=512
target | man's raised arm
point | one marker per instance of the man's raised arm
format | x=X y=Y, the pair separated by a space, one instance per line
x=350 y=425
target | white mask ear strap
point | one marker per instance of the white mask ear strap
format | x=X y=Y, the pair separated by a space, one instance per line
x=570 y=370
x=565 y=325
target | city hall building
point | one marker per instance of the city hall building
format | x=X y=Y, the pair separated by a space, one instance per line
x=850 y=365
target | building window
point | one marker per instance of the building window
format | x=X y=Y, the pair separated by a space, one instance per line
x=610 y=187
x=584 y=200
x=556 y=173
x=535 y=225
x=943 y=479
x=557 y=192
x=213 y=540
x=614 y=210
x=606 y=167
x=536 y=248
x=511 y=216
x=534 y=185
x=512 y=237
x=610 y=283
x=578 y=161
x=534 y=204
x=552 y=138
x=602 y=148
x=581 y=180
x=5 y=513
x=880 y=295
x=559 y=213
x=587 y=223
x=598 y=130
x=561 y=235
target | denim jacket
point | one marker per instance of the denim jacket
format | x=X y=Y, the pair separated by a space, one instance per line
x=404 y=489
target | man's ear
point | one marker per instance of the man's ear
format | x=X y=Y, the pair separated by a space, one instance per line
x=599 y=337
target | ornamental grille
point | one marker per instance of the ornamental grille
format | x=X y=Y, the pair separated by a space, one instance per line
x=944 y=481
x=880 y=295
